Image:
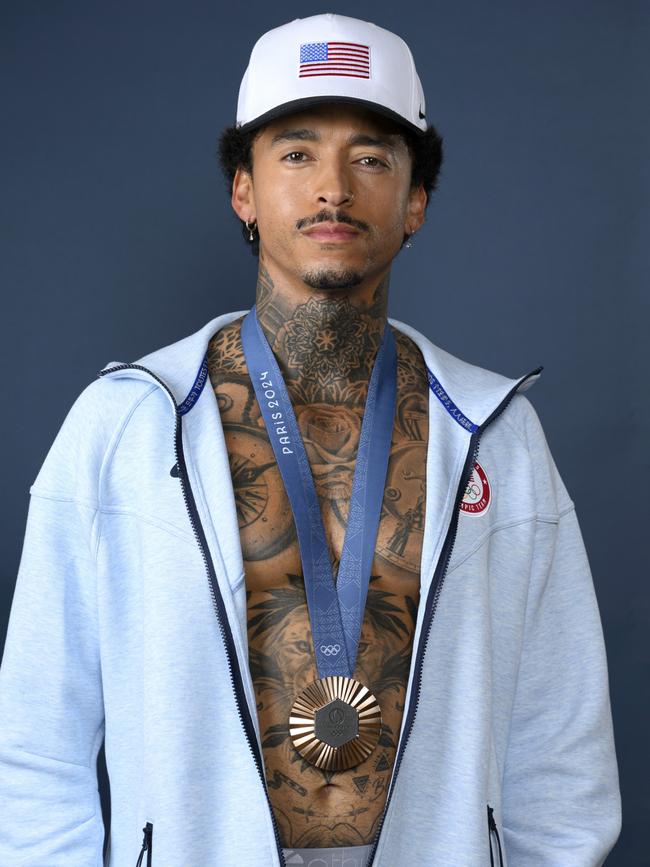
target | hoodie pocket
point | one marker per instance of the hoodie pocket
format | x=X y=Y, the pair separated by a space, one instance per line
x=493 y=832
x=147 y=846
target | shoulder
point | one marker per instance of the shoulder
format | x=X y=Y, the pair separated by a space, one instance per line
x=92 y=425
x=527 y=434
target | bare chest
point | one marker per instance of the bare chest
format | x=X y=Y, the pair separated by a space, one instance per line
x=309 y=809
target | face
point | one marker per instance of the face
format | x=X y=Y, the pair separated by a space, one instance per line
x=331 y=194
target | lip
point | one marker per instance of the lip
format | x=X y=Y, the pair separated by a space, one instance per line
x=329 y=232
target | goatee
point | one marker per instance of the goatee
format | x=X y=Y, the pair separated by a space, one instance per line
x=330 y=278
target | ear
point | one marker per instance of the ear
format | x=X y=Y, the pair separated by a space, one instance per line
x=243 y=197
x=416 y=209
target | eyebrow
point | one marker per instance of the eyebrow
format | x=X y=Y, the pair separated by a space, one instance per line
x=372 y=141
x=293 y=135
x=305 y=134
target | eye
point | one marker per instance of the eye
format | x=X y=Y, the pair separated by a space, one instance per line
x=293 y=153
x=377 y=162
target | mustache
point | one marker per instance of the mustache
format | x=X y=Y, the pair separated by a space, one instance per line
x=328 y=216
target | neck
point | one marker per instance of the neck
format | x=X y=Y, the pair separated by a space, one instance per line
x=325 y=342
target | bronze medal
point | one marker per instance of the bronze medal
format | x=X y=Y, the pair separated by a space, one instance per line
x=335 y=723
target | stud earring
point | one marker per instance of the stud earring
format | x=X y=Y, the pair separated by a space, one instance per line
x=251 y=230
x=409 y=243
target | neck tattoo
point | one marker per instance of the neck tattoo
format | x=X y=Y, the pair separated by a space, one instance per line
x=325 y=347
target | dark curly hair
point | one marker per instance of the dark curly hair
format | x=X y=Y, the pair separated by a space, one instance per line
x=235 y=150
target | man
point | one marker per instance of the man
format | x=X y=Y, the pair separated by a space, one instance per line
x=266 y=564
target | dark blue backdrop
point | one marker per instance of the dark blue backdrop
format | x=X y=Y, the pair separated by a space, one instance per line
x=118 y=238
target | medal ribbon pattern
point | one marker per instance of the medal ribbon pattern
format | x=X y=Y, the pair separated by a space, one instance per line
x=335 y=610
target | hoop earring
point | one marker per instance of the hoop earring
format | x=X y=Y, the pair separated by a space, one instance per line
x=251 y=230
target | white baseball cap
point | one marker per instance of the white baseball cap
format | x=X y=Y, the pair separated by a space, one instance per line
x=330 y=58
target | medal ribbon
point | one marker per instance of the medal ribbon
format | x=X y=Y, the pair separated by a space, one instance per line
x=335 y=609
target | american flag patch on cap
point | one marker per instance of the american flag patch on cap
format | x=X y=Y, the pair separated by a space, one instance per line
x=334 y=58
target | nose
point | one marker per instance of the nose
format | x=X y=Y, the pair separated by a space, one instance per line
x=332 y=184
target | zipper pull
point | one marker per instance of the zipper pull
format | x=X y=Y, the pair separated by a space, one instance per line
x=492 y=825
x=146 y=845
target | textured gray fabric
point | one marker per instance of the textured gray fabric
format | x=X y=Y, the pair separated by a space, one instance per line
x=113 y=633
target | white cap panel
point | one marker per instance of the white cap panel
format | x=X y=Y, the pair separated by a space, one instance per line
x=331 y=55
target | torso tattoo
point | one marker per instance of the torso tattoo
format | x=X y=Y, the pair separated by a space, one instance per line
x=317 y=808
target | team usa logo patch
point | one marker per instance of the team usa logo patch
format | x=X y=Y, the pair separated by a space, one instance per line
x=478 y=493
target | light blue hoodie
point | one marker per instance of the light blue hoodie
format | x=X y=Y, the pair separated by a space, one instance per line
x=128 y=623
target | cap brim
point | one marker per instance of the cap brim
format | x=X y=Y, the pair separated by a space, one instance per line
x=296 y=105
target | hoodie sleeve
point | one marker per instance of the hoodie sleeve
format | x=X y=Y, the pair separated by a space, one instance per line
x=561 y=798
x=51 y=706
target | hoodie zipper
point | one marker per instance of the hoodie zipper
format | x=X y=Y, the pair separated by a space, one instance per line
x=432 y=598
x=231 y=658
x=147 y=845
x=492 y=828
x=434 y=593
